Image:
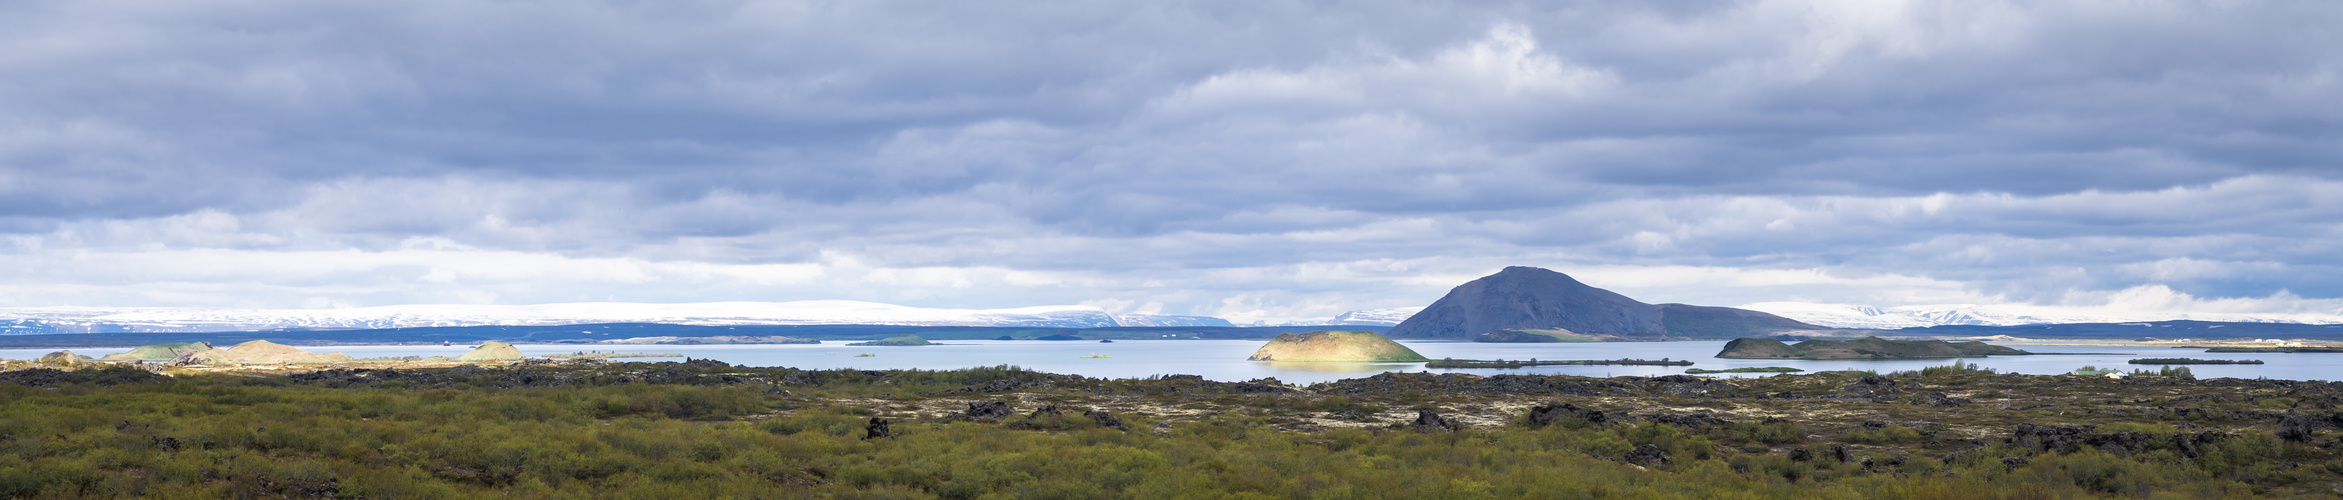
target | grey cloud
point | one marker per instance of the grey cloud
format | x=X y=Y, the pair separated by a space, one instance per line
x=1233 y=141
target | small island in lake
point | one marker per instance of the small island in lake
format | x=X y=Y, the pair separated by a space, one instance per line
x=1534 y=336
x=1745 y=369
x=1863 y=348
x=1339 y=347
x=1516 y=363
x=898 y=340
x=2192 y=361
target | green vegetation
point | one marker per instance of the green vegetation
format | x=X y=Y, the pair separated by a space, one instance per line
x=1746 y=369
x=1863 y=348
x=1338 y=347
x=1515 y=363
x=898 y=340
x=706 y=430
x=2192 y=361
x=1534 y=336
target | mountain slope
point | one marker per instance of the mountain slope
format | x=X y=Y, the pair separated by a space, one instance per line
x=1534 y=298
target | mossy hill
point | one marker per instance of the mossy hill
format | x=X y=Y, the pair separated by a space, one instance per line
x=159 y=352
x=898 y=340
x=1534 y=336
x=1863 y=348
x=1337 y=347
x=492 y=351
x=258 y=352
x=1527 y=298
x=66 y=356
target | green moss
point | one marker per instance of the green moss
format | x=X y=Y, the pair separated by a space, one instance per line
x=898 y=340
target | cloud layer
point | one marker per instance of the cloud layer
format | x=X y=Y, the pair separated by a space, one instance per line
x=1251 y=160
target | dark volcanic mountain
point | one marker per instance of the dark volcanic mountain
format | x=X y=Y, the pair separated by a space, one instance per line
x=1529 y=297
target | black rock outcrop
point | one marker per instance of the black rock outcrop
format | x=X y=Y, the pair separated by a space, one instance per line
x=985 y=410
x=1646 y=455
x=1544 y=415
x=1431 y=421
x=1533 y=298
x=1104 y=419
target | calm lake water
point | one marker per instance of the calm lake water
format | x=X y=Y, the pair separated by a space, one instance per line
x=1224 y=360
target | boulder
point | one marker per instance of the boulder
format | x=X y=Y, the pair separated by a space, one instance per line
x=1431 y=421
x=1544 y=415
x=1103 y=419
x=1646 y=455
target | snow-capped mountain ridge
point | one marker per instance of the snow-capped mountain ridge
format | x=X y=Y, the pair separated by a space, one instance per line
x=1889 y=318
x=1390 y=316
x=812 y=312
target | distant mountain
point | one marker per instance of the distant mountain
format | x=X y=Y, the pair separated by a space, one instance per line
x=1533 y=298
x=1166 y=320
x=1922 y=316
x=1385 y=317
x=51 y=320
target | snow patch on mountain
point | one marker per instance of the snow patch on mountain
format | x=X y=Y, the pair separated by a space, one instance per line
x=811 y=312
x=1168 y=320
x=1391 y=316
x=1889 y=318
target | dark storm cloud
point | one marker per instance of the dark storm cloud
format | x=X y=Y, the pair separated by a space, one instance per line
x=1222 y=151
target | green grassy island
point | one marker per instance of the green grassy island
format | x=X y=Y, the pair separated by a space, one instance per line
x=1337 y=347
x=898 y=340
x=1863 y=348
x=1745 y=369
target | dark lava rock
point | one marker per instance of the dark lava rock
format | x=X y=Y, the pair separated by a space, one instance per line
x=1430 y=421
x=2014 y=462
x=984 y=410
x=1939 y=400
x=103 y=377
x=877 y=428
x=2069 y=438
x=1045 y=411
x=1104 y=419
x=1697 y=420
x=1839 y=452
x=2298 y=427
x=1396 y=384
x=1646 y=455
x=1544 y=415
x=1263 y=386
x=1870 y=387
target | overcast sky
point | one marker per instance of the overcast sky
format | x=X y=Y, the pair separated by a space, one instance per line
x=1251 y=159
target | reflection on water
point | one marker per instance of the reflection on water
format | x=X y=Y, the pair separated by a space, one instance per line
x=1224 y=360
x=1335 y=367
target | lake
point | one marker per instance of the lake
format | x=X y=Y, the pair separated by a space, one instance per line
x=1224 y=360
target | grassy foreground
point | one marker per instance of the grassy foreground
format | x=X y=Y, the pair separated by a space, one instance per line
x=707 y=430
